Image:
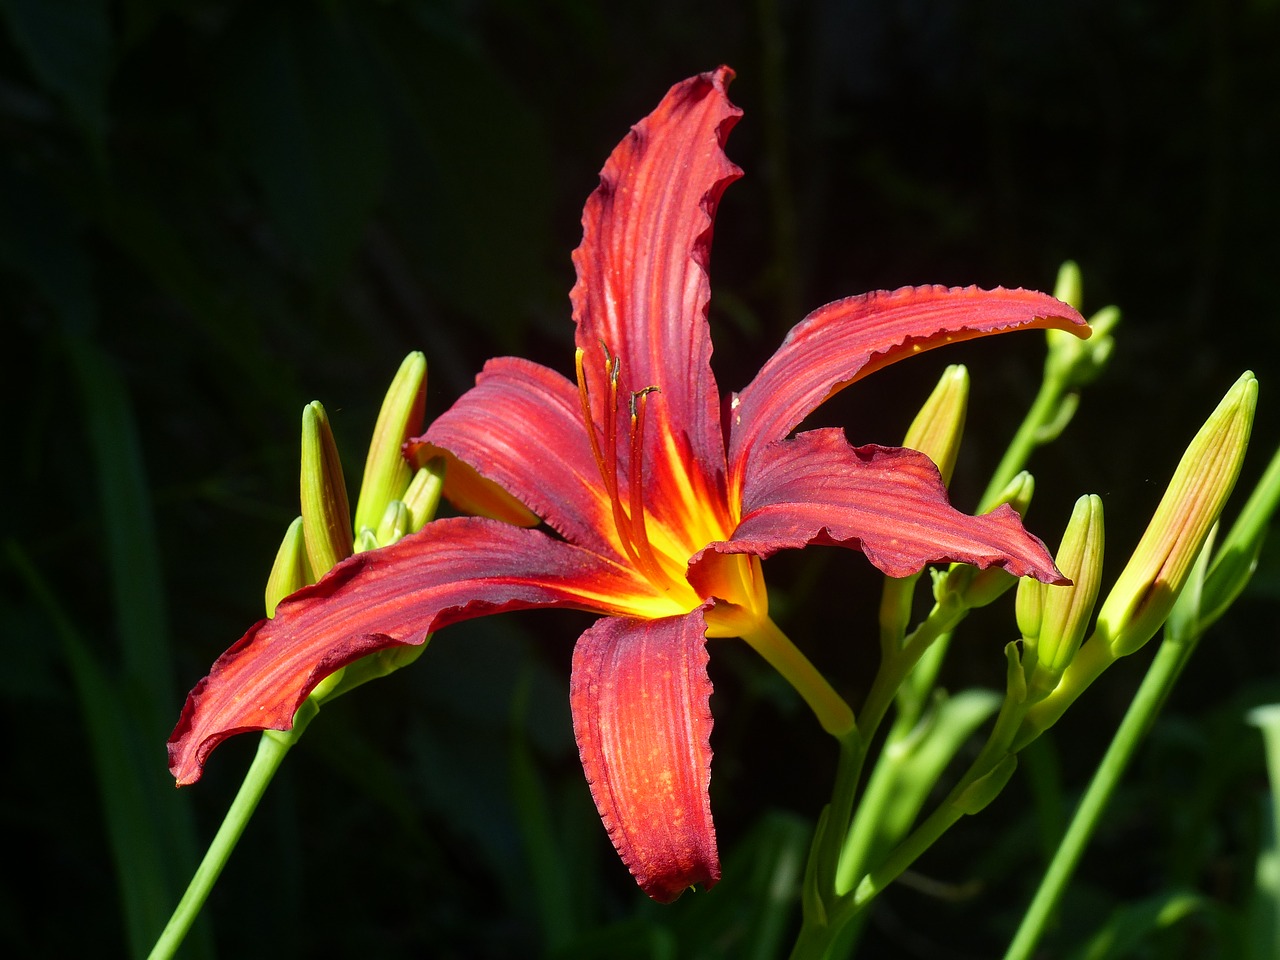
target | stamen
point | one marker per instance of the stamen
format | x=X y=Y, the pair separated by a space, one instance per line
x=607 y=464
x=630 y=524
x=639 y=535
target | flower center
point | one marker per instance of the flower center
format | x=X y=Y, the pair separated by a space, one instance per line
x=658 y=552
x=662 y=570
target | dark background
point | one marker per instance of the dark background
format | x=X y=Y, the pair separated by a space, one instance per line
x=212 y=213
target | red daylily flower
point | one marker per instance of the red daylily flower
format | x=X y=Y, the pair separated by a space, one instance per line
x=660 y=501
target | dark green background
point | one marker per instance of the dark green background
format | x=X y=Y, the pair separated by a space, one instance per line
x=212 y=213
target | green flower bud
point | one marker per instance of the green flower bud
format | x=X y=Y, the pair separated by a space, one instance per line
x=1028 y=609
x=936 y=430
x=977 y=588
x=386 y=474
x=1070 y=285
x=1077 y=362
x=291 y=571
x=1066 y=610
x=326 y=514
x=1016 y=494
x=1071 y=361
x=423 y=496
x=366 y=539
x=1146 y=590
x=394 y=525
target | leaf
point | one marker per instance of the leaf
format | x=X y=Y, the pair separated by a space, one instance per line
x=147 y=823
x=1133 y=923
x=950 y=725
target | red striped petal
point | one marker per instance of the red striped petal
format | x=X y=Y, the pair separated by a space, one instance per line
x=521 y=427
x=455 y=569
x=640 y=697
x=642 y=290
x=888 y=502
x=848 y=339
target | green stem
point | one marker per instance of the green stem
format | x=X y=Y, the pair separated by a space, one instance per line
x=907 y=674
x=826 y=914
x=1266 y=928
x=1045 y=410
x=881 y=789
x=896 y=668
x=1093 y=657
x=994 y=760
x=843 y=797
x=907 y=852
x=1164 y=670
x=823 y=933
x=272 y=749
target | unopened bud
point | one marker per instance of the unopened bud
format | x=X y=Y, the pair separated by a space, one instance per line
x=366 y=539
x=1072 y=361
x=978 y=588
x=937 y=428
x=1066 y=610
x=1069 y=287
x=386 y=474
x=467 y=489
x=423 y=496
x=1079 y=362
x=291 y=571
x=1017 y=494
x=326 y=514
x=1028 y=610
x=1146 y=590
x=394 y=525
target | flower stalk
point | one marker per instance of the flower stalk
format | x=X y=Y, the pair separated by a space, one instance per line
x=1069 y=366
x=312 y=544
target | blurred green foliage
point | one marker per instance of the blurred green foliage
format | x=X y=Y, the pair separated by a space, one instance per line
x=213 y=212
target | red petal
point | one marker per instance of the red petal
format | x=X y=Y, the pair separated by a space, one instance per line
x=888 y=502
x=640 y=697
x=848 y=339
x=642 y=287
x=521 y=427
x=455 y=569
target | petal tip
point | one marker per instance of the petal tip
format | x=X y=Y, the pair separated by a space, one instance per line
x=640 y=697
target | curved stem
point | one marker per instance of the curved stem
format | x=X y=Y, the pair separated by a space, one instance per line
x=879 y=793
x=827 y=914
x=897 y=667
x=776 y=647
x=826 y=930
x=272 y=749
x=1044 y=410
x=984 y=779
x=1164 y=670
